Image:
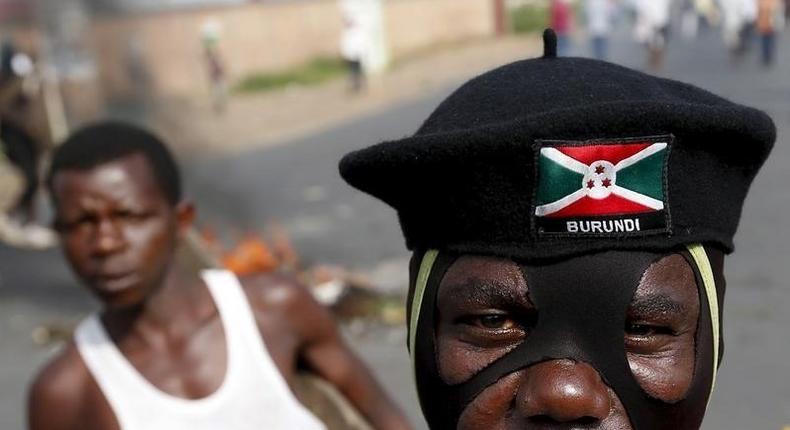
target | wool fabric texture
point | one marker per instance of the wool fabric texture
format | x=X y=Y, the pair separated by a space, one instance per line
x=465 y=181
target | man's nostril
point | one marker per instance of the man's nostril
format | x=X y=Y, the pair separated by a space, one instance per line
x=542 y=419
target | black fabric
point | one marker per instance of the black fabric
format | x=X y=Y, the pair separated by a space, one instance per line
x=549 y=44
x=21 y=149
x=580 y=318
x=465 y=181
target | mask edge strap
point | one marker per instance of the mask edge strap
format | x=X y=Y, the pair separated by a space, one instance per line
x=700 y=257
x=426 y=265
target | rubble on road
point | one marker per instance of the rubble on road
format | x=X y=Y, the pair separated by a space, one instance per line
x=350 y=295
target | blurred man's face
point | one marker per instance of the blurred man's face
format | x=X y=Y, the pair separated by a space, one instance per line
x=117 y=228
x=485 y=311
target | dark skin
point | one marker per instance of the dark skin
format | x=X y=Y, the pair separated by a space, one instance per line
x=485 y=311
x=119 y=233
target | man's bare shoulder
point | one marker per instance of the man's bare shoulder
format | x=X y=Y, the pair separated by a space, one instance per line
x=59 y=388
x=282 y=299
x=277 y=292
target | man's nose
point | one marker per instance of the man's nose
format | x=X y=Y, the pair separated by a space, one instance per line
x=109 y=239
x=563 y=391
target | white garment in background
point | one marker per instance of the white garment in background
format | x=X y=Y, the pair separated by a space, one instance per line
x=363 y=38
x=354 y=42
x=652 y=17
x=735 y=14
x=730 y=22
x=599 y=17
x=253 y=395
x=747 y=11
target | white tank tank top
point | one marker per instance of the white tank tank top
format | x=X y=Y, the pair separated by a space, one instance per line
x=253 y=395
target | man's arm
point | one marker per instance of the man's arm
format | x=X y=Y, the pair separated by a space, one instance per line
x=54 y=400
x=322 y=349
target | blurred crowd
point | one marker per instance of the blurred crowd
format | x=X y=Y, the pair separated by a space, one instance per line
x=742 y=23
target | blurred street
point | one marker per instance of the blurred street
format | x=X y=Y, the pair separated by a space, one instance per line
x=296 y=183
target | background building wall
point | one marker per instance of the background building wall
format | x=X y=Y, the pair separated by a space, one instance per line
x=167 y=47
x=126 y=6
x=414 y=25
x=260 y=37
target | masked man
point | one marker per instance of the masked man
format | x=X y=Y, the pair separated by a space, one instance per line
x=569 y=220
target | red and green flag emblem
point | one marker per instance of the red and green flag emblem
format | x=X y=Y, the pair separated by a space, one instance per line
x=602 y=187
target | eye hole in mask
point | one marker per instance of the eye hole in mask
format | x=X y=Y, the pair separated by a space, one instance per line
x=501 y=318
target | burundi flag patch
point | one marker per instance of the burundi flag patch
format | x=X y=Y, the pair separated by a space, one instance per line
x=603 y=187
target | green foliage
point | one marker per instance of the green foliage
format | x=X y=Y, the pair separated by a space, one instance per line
x=315 y=72
x=529 y=17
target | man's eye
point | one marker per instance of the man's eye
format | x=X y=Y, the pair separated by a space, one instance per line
x=493 y=329
x=492 y=322
x=73 y=224
x=643 y=330
x=648 y=339
x=500 y=322
x=132 y=216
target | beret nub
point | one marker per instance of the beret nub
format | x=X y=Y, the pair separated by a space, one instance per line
x=549 y=43
x=554 y=157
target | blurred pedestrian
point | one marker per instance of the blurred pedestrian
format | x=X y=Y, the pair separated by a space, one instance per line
x=738 y=23
x=770 y=20
x=354 y=44
x=24 y=136
x=747 y=10
x=171 y=348
x=652 y=29
x=16 y=139
x=730 y=25
x=12 y=232
x=709 y=13
x=599 y=24
x=561 y=20
x=137 y=70
x=215 y=66
x=12 y=184
x=690 y=19
x=20 y=148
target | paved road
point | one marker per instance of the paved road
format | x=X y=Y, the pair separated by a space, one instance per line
x=297 y=184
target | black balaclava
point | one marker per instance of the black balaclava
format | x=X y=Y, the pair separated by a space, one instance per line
x=581 y=318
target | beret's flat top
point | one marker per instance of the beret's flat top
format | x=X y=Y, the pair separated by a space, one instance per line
x=467 y=178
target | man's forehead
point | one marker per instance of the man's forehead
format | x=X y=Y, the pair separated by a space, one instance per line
x=483 y=280
x=130 y=176
x=469 y=267
x=670 y=276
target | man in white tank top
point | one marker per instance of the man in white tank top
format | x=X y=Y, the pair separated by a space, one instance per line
x=171 y=350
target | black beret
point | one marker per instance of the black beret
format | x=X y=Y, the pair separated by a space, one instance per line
x=554 y=157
